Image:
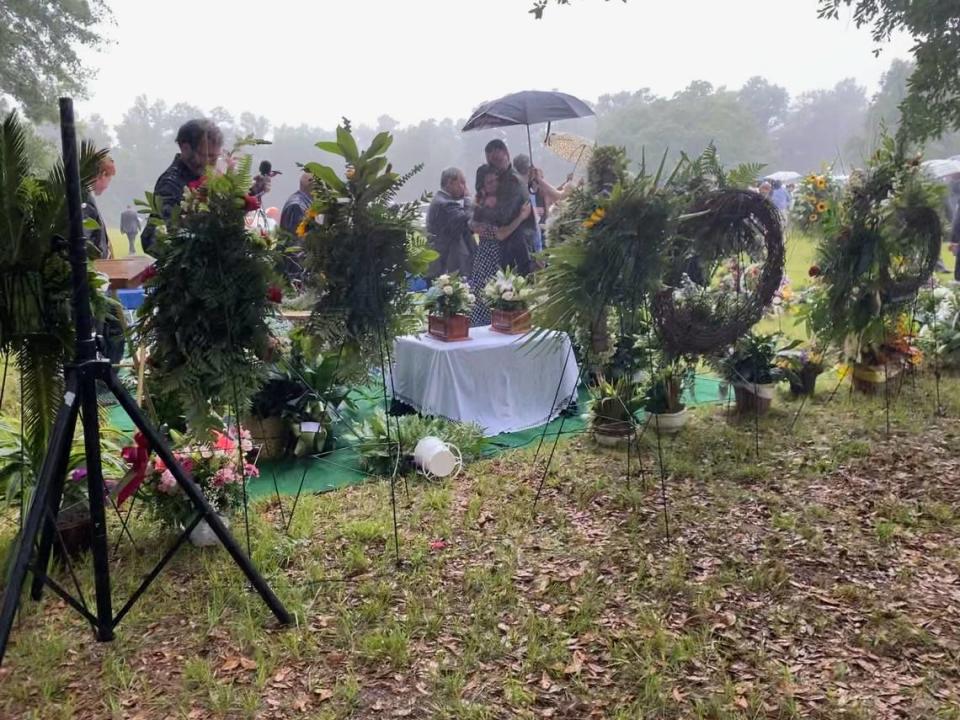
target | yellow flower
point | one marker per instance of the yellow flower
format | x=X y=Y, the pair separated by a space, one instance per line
x=311 y=214
x=600 y=213
x=811 y=178
x=589 y=223
x=813 y=217
x=821 y=182
x=301 y=229
x=821 y=207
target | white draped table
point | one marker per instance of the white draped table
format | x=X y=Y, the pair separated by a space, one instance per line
x=504 y=383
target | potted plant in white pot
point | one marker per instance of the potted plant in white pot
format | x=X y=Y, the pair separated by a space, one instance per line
x=663 y=398
x=613 y=411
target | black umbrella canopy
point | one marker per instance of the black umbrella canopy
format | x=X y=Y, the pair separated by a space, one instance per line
x=527 y=108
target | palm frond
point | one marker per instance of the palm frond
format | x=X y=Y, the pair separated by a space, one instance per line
x=14 y=171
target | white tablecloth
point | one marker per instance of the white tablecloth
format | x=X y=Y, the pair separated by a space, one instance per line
x=504 y=383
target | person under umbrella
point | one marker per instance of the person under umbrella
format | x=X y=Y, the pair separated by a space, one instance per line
x=511 y=195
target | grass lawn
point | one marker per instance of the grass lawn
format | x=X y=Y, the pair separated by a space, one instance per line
x=816 y=580
x=119 y=243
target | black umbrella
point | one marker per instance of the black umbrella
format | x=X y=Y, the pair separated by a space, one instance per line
x=528 y=107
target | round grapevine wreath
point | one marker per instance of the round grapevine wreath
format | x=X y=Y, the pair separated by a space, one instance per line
x=720 y=225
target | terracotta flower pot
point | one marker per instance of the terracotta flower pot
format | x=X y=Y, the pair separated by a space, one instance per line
x=753 y=399
x=449 y=328
x=510 y=322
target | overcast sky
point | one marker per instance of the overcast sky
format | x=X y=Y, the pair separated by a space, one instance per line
x=312 y=62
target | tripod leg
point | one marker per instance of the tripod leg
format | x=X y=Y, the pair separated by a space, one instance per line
x=54 y=496
x=197 y=498
x=95 y=493
x=60 y=442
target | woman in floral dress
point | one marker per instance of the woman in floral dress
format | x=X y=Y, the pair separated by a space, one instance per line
x=486 y=262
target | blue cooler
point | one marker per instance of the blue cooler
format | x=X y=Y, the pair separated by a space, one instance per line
x=130 y=300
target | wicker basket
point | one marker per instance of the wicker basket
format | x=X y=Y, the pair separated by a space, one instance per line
x=753 y=399
x=269 y=434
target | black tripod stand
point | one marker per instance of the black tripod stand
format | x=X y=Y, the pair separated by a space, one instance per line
x=81 y=396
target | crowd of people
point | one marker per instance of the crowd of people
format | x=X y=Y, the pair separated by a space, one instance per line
x=508 y=214
x=499 y=225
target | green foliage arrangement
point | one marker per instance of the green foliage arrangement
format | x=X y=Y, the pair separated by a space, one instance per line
x=18 y=471
x=879 y=249
x=664 y=390
x=615 y=401
x=815 y=201
x=36 y=323
x=379 y=457
x=753 y=360
x=361 y=246
x=305 y=385
x=205 y=315
x=615 y=255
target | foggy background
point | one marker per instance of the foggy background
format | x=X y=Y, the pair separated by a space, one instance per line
x=767 y=82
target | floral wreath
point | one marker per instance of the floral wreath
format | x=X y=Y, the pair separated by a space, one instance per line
x=691 y=318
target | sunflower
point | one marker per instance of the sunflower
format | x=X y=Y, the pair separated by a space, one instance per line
x=821 y=182
x=821 y=207
x=811 y=179
x=813 y=217
x=301 y=229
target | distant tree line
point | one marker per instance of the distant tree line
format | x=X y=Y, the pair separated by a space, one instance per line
x=832 y=128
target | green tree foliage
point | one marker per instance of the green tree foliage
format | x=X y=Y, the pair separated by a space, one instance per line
x=767 y=102
x=932 y=103
x=824 y=127
x=689 y=121
x=39 y=43
x=885 y=112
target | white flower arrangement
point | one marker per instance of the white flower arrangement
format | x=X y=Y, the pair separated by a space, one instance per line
x=508 y=292
x=449 y=295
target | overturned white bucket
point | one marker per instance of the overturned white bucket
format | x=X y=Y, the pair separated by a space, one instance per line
x=437 y=458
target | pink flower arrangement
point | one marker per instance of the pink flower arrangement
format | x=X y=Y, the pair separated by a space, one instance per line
x=216 y=467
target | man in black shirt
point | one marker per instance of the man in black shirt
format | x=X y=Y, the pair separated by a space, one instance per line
x=200 y=143
x=512 y=195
